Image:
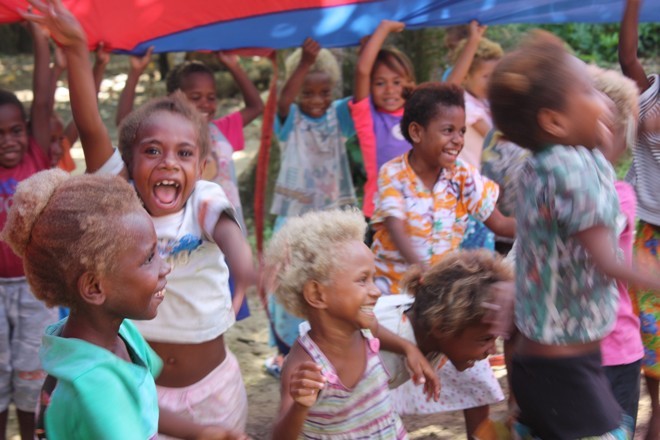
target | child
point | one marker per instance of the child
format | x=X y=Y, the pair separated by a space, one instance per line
x=566 y=260
x=423 y=201
x=622 y=349
x=163 y=145
x=315 y=173
x=444 y=313
x=382 y=78
x=65 y=228
x=24 y=151
x=333 y=382
x=644 y=175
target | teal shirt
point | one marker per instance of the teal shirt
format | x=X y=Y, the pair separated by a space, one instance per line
x=98 y=395
x=561 y=297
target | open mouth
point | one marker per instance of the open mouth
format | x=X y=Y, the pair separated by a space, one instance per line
x=367 y=310
x=166 y=192
x=160 y=294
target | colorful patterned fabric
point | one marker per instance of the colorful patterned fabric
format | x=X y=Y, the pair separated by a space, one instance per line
x=434 y=220
x=477 y=236
x=363 y=412
x=561 y=297
x=647 y=302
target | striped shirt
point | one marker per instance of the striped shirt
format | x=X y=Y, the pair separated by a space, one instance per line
x=364 y=412
x=644 y=173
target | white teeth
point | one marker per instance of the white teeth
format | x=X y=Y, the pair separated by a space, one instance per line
x=367 y=309
x=160 y=294
x=168 y=182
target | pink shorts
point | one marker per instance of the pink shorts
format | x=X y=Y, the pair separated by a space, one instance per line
x=217 y=399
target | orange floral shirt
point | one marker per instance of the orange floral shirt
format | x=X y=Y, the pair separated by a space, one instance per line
x=434 y=220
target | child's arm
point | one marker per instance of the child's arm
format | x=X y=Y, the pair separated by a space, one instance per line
x=301 y=383
x=422 y=372
x=173 y=425
x=628 y=39
x=368 y=56
x=229 y=238
x=464 y=60
x=254 y=106
x=42 y=109
x=127 y=97
x=64 y=28
x=598 y=243
x=310 y=50
x=397 y=230
x=501 y=225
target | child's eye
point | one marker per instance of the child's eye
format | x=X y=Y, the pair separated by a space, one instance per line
x=17 y=131
x=186 y=153
x=150 y=258
x=151 y=151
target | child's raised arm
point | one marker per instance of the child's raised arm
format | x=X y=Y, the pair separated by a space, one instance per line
x=368 y=56
x=41 y=111
x=628 y=39
x=310 y=50
x=464 y=60
x=127 y=96
x=254 y=106
x=66 y=30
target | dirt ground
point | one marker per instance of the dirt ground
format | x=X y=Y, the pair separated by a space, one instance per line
x=248 y=339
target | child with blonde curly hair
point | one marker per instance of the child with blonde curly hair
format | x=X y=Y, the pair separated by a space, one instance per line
x=65 y=229
x=312 y=129
x=333 y=381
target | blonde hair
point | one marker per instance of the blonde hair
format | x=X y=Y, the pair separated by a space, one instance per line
x=624 y=93
x=305 y=249
x=63 y=226
x=176 y=103
x=487 y=50
x=449 y=296
x=325 y=62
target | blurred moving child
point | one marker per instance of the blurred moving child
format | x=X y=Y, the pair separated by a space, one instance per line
x=314 y=172
x=383 y=76
x=24 y=151
x=566 y=257
x=334 y=384
x=422 y=206
x=163 y=145
x=445 y=313
x=65 y=228
x=644 y=174
x=622 y=349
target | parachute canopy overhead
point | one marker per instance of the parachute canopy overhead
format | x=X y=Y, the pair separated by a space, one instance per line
x=176 y=25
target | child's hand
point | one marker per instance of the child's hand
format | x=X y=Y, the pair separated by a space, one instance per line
x=228 y=60
x=139 y=63
x=422 y=373
x=219 y=433
x=61 y=23
x=310 y=50
x=500 y=309
x=102 y=55
x=392 y=26
x=476 y=31
x=306 y=382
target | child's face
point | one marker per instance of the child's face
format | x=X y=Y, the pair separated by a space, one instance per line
x=351 y=292
x=56 y=138
x=13 y=136
x=439 y=143
x=199 y=88
x=316 y=94
x=473 y=344
x=136 y=286
x=476 y=81
x=166 y=162
x=387 y=88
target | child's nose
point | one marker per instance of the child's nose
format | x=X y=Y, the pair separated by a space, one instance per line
x=165 y=268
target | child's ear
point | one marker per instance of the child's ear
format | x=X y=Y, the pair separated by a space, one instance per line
x=415 y=132
x=315 y=295
x=553 y=122
x=90 y=289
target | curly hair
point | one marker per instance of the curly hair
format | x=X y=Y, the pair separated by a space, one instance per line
x=10 y=98
x=535 y=76
x=129 y=129
x=450 y=294
x=305 y=249
x=63 y=226
x=488 y=50
x=177 y=76
x=427 y=101
x=325 y=63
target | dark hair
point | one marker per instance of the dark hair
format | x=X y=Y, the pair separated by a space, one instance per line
x=10 y=98
x=178 y=75
x=535 y=76
x=426 y=102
